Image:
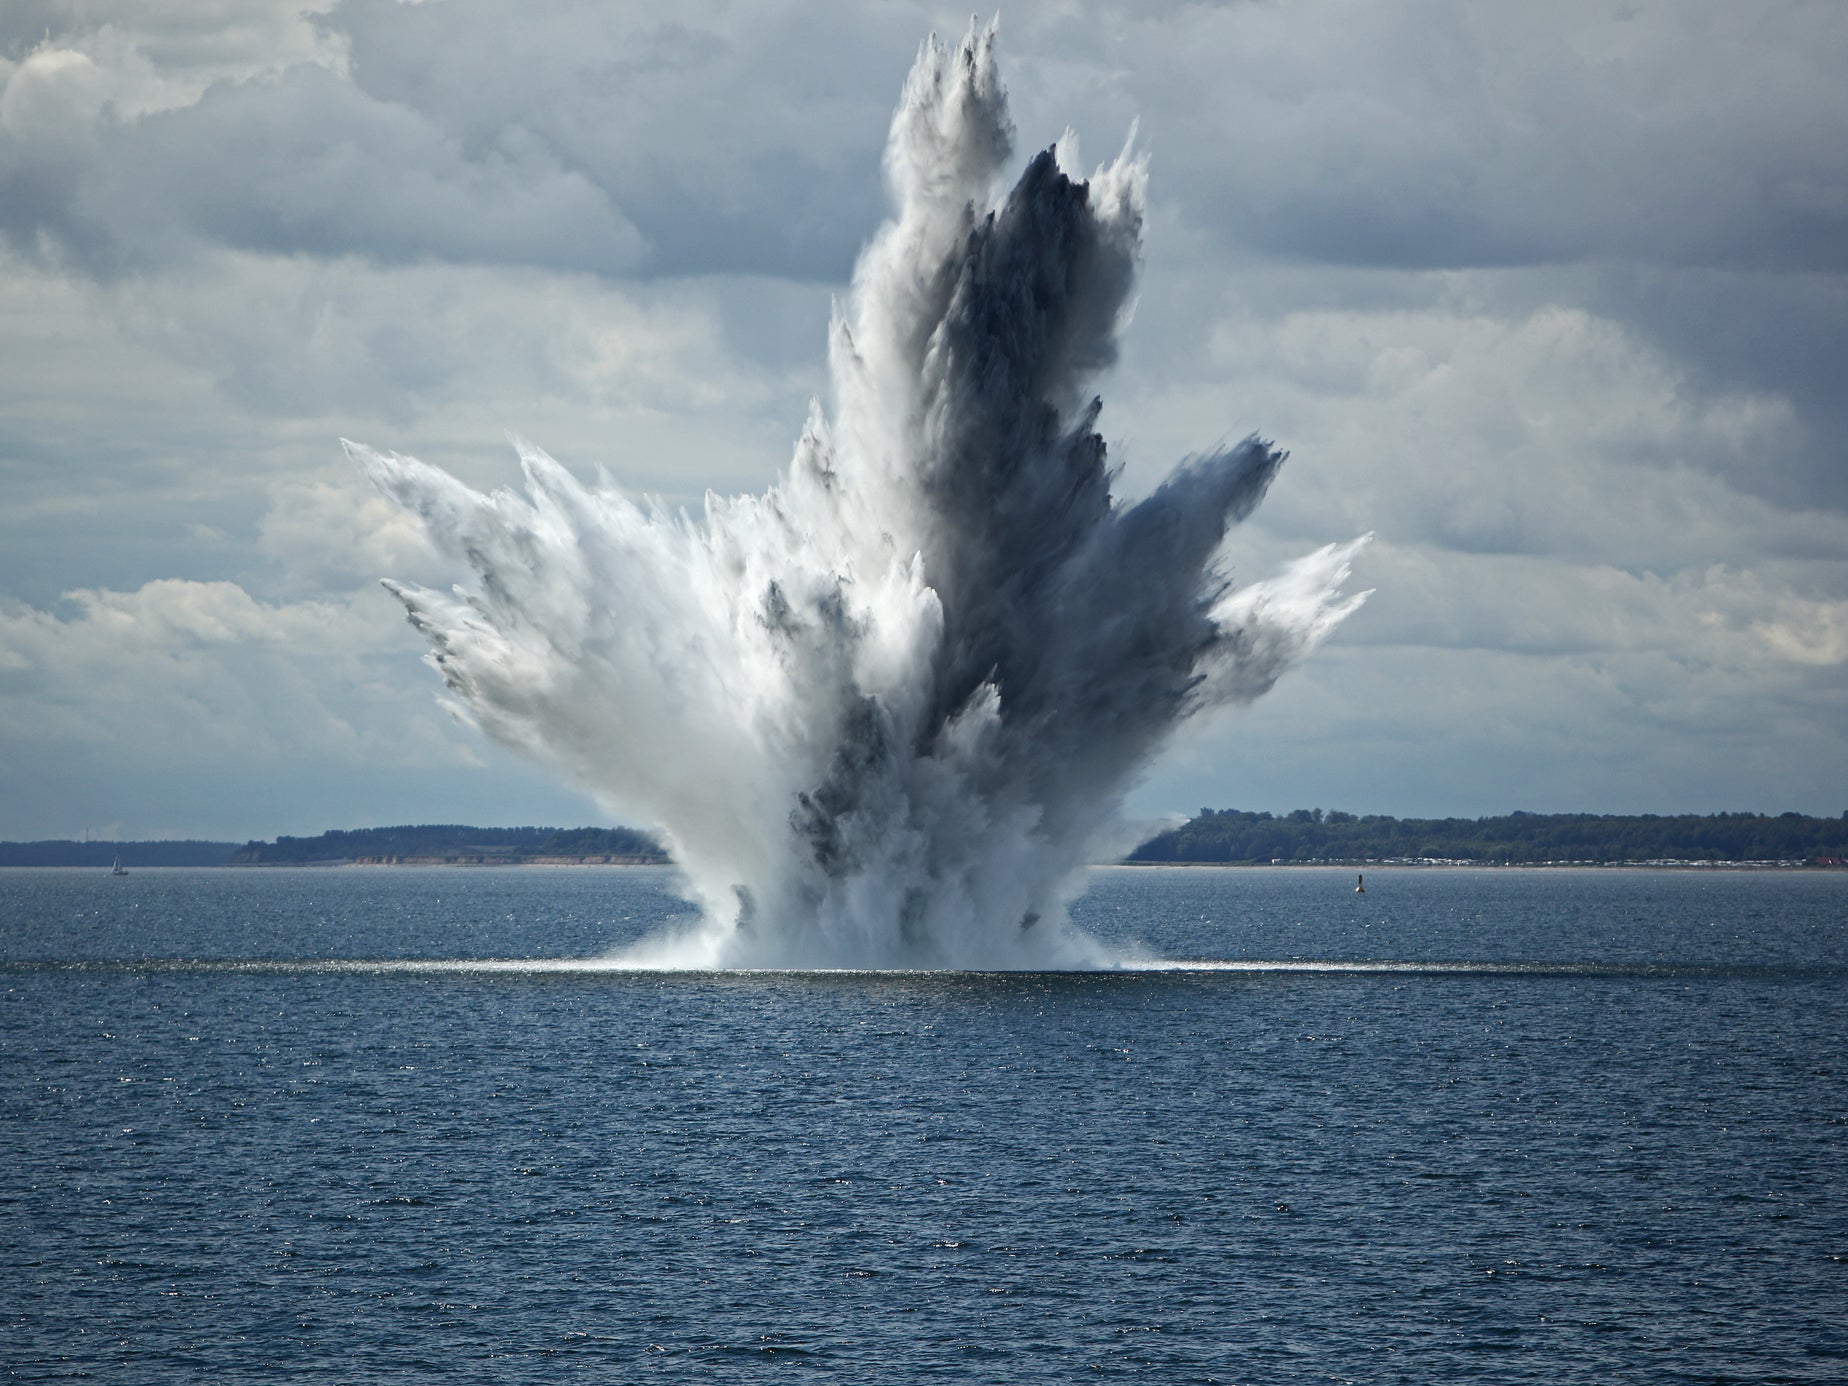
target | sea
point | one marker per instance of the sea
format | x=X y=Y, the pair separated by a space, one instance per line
x=387 y=1125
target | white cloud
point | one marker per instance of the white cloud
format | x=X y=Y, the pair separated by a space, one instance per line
x=187 y=43
x=1749 y=620
x=343 y=339
x=147 y=424
x=203 y=671
x=1555 y=432
x=193 y=708
x=1804 y=630
x=200 y=670
x=51 y=101
x=329 y=530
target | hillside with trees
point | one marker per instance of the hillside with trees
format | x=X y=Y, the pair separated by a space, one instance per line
x=1235 y=837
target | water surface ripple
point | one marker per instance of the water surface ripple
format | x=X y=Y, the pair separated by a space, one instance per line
x=1608 y=1146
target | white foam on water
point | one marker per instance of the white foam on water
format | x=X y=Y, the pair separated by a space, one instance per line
x=629 y=967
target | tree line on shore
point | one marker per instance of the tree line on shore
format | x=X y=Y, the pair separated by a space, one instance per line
x=1233 y=836
x=455 y=842
x=1227 y=836
x=427 y=842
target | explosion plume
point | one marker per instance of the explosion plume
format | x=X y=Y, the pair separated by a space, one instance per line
x=885 y=713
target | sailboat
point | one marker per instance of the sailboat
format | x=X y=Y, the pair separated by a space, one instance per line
x=118 y=869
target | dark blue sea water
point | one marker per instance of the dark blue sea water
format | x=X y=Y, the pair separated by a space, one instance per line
x=1614 y=1152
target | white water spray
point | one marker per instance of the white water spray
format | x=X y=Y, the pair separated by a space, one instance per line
x=885 y=714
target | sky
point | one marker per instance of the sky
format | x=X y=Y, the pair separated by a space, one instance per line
x=1553 y=300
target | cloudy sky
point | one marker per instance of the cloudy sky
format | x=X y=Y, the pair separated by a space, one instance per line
x=1553 y=299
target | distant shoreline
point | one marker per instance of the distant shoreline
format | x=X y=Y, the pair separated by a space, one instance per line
x=1332 y=867
x=370 y=862
x=1216 y=837
x=1359 y=866
x=1335 y=838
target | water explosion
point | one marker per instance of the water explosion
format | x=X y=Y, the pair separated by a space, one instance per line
x=885 y=713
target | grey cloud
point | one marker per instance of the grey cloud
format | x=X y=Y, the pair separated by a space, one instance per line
x=307 y=164
x=1451 y=135
x=746 y=137
x=570 y=136
x=24 y=23
x=1783 y=332
x=741 y=138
